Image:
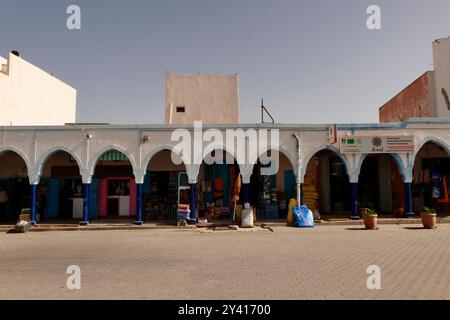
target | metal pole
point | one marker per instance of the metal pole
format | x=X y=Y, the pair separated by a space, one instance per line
x=298 y=178
x=33 y=204
x=409 y=201
x=355 y=215
x=139 y=188
x=85 y=204
x=193 y=215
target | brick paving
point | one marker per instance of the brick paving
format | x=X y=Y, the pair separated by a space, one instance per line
x=322 y=263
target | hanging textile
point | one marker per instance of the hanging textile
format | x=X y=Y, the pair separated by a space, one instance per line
x=445 y=198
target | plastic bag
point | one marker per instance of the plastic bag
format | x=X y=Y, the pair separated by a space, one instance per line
x=304 y=217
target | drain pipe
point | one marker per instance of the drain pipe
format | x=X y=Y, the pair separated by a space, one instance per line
x=298 y=179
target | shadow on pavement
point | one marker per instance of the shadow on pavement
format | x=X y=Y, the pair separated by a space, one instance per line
x=414 y=228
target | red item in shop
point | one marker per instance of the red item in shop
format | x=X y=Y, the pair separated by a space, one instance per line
x=183 y=207
x=218 y=188
x=445 y=199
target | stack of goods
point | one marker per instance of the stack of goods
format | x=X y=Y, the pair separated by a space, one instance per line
x=216 y=212
x=310 y=194
x=183 y=212
x=225 y=212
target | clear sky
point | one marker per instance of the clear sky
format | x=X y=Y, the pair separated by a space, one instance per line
x=313 y=61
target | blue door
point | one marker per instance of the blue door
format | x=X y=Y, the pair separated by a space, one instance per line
x=51 y=206
x=93 y=199
x=289 y=185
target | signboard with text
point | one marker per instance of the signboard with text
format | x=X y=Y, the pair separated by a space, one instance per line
x=377 y=144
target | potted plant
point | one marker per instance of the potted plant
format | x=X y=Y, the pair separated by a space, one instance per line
x=370 y=218
x=428 y=218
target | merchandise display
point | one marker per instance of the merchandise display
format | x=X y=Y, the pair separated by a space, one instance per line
x=310 y=194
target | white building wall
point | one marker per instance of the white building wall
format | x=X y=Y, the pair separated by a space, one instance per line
x=31 y=96
x=87 y=143
x=209 y=98
x=441 y=57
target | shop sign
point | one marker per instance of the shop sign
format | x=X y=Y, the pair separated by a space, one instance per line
x=380 y=144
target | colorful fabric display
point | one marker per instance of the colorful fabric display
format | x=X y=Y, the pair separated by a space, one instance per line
x=183 y=207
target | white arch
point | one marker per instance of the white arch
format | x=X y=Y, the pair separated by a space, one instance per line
x=426 y=140
x=216 y=147
x=325 y=147
x=281 y=150
x=21 y=154
x=96 y=158
x=49 y=153
x=395 y=156
x=148 y=158
x=243 y=169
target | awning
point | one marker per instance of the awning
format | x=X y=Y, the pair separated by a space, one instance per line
x=113 y=155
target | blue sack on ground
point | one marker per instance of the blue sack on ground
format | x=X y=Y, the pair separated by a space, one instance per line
x=303 y=216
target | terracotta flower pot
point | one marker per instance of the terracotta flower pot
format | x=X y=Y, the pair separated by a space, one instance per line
x=429 y=220
x=371 y=222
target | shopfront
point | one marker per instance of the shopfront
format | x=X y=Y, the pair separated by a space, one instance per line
x=431 y=179
x=326 y=187
x=218 y=189
x=164 y=183
x=115 y=186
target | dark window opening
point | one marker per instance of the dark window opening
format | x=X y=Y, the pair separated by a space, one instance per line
x=181 y=109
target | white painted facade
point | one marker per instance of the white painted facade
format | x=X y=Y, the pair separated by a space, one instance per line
x=86 y=144
x=202 y=97
x=31 y=96
x=441 y=57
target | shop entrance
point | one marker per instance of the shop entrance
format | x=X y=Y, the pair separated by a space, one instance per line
x=59 y=194
x=326 y=186
x=431 y=179
x=161 y=187
x=270 y=195
x=217 y=184
x=380 y=185
x=15 y=190
x=115 y=186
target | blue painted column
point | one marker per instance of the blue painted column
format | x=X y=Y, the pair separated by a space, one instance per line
x=354 y=187
x=408 y=200
x=300 y=194
x=33 y=204
x=139 y=187
x=193 y=215
x=85 y=204
x=246 y=192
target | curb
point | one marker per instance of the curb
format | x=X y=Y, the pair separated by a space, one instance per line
x=67 y=227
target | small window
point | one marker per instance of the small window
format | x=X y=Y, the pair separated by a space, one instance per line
x=181 y=109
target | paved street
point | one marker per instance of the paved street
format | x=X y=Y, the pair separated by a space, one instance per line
x=328 y=262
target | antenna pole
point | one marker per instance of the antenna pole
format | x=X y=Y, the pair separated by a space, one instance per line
x=262 y=110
